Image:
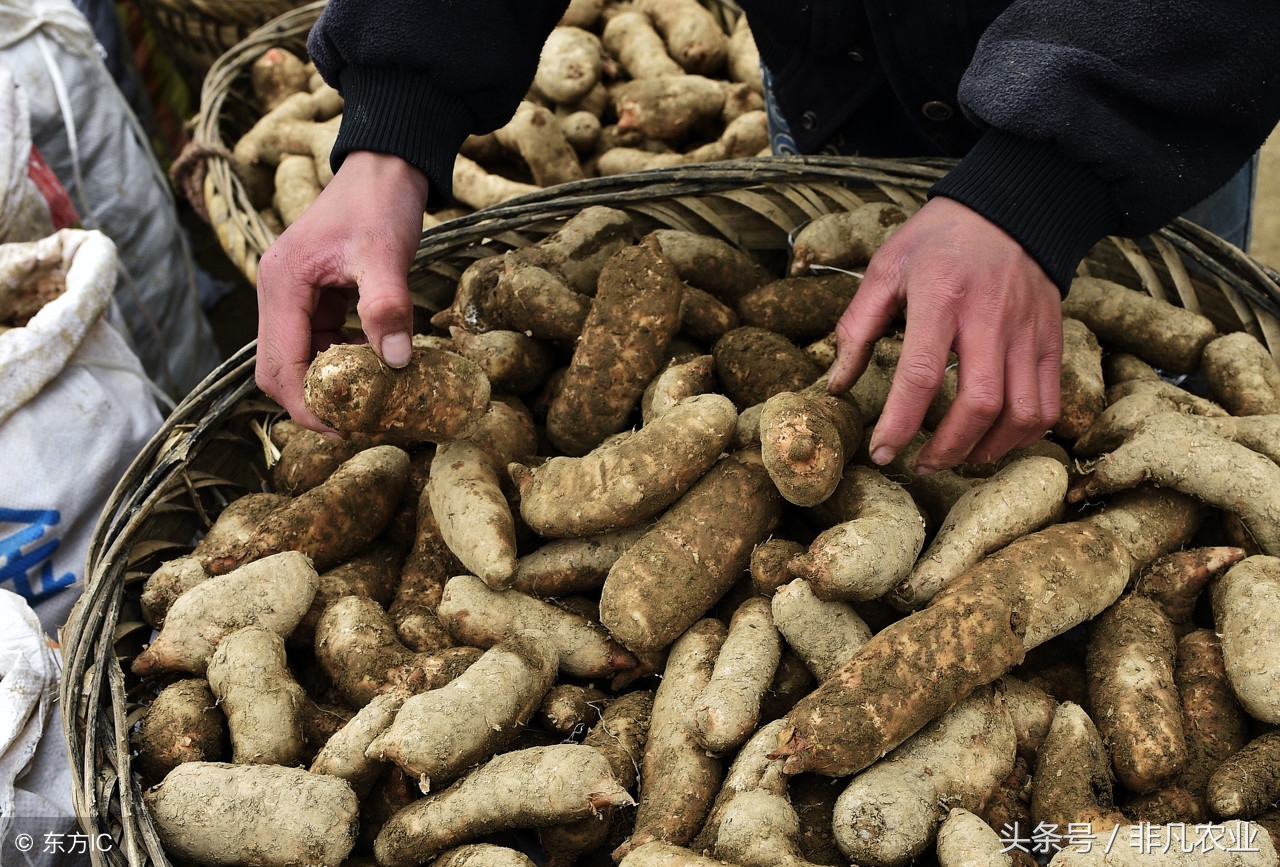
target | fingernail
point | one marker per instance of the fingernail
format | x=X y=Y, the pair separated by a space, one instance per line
x=882 y=455
x=396 y=349
x=923 y=470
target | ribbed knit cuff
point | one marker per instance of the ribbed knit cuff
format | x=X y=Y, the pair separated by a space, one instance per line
x=1055 y=208
x=393 y=111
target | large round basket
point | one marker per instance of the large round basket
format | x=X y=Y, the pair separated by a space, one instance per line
x=226 y=113
x=213 y=449
x=195 y=33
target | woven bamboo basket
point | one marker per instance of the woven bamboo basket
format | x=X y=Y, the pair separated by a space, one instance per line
x=211 y=448
x=226 y=113
x=195 y=33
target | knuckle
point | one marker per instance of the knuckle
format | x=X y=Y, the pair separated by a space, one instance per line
x=919 y=375
x=981 y=402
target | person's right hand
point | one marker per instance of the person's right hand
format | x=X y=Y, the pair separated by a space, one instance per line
x=357 y=239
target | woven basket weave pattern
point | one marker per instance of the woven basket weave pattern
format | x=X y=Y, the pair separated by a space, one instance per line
x=211 y=448
x=196 y=33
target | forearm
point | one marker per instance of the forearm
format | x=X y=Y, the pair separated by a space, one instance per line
x=1116 y=118
x=419 y=77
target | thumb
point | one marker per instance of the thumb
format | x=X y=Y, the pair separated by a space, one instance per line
x=386 y=314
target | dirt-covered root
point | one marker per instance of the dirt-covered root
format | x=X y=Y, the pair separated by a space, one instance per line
x=1245 y=600
x=859 y=713
x=270 y=815
x=889 y=814
x=1072 y=782
x=873 y=547
x=336 y=519
x=964 y=840
x=1169 y=450
x=806 y=438
x=1132 y=696
x=725 y=713
x=343 y=754
x=1171 y=338
x=823 y=633
x=250 y=676
x=436 y=397
x=760 y=828
x=678 y=778
x=1248 y=781
x=1022 y=497
x=477 y=615
x=692 y=555
x=275 y=592
x=438 y=734
x=628 y=480
x=525 y=788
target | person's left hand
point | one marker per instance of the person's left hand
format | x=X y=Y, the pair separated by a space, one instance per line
x=964 y=284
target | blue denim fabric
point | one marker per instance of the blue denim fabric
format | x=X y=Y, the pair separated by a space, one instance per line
x=1228 y=213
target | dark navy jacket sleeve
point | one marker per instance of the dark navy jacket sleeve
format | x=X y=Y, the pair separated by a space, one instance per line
x=1107 y=117
x=419 y=76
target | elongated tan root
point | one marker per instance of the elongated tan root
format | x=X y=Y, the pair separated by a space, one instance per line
x=1169 y=450
x=890 y=813
x=1072 y=783
x=336 y=519
x=964 y=840
x=760 y=829
x=724 y=714
x=678 y=778
x=1171 y=338
x=645 y=472
x=825 y=633
x=1021 y=498
x=440 y=733
x=525 y=788
x=872 y=548
x=274 y=592
x=1132 y=694
x=1245 y=600
x=845 y=239
x=436 y=397
x=465 y=491
x=478 y=615
x=357 y=648
x=250 y=676
x=343 y=755
x=213 y=813
x=692 y=555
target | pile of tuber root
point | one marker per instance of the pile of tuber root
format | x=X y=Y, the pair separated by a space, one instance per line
x=605 y=575
x=620 y=86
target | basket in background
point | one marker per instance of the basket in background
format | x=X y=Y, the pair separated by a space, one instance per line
x=226 y=113
x=211 y=448
x=195 y=33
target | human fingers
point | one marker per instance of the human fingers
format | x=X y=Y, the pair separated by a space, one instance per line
x=1023 y=421
x=874 y=308
x=287 y=299
x=930 y=332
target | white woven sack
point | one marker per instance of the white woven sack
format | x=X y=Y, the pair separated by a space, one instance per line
x=87 y=133
x=75 y=408
x=24 y=215
x=35 y=778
